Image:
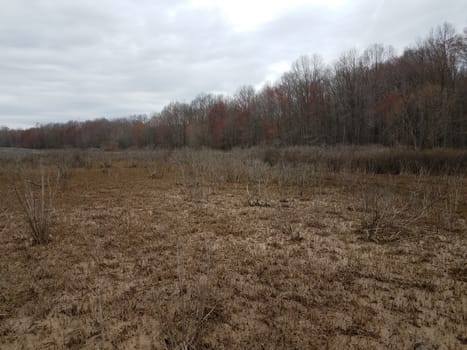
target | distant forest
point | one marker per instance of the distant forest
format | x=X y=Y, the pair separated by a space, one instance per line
x=417 y=99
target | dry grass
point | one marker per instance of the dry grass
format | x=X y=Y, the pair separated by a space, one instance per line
x=168 y=261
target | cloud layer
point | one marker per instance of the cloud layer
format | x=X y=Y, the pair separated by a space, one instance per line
x=63 y=59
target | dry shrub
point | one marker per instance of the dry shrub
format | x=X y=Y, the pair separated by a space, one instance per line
x=440 y=201
x=212 y=169
x=157 y=170
x=370 y=159
x=131 y=163
x=389 y=214
x=451 y=200
x=3 y=211
x=293 y=232
x=397 y=161
x=191 y=172
x=185 y=316
x=105 y=162
x=67 y=159
x=259 y=196
x=64 y=166
x=446 y=198
x=37 y=202
x=271 y=156
x=259 y=175
x=77 y=159
x=385 y=216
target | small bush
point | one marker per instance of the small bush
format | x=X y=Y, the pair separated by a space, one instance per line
x=271 y=156
x=384 y=215
x=36 y=200
x=185 y=316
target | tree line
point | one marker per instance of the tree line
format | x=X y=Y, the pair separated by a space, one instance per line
x=416 y=99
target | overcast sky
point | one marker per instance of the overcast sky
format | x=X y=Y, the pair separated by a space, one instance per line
x=66 y=60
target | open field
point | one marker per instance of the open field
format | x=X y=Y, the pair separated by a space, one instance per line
x=212 y=250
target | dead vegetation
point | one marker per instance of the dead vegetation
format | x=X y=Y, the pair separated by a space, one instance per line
x=185 y=314
x=206 y=249
x=36 y=199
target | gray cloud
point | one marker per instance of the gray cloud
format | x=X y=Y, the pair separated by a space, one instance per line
x=62 y=60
